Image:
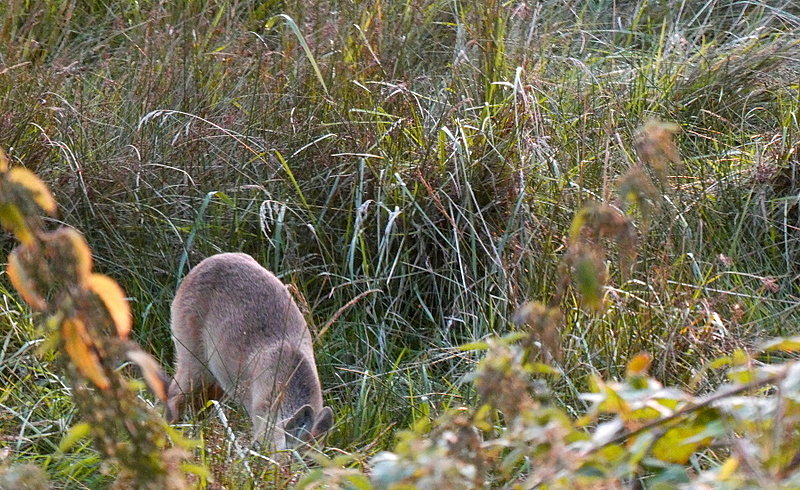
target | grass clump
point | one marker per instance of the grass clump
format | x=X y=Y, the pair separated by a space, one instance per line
x=85 y=316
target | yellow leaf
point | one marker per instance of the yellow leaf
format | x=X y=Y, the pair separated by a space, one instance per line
x=196 y=469
x=14 y=221
x=577 y=223
x=728 y=468
x=483 y=418
x=50 y=343
x=720 y=362
x=786 y=344
x=614 y=403
x=3 y=160
x=39 y=192
x=151 y=370
x=645 y=413
x=541 y=368
x=74 y=435
x=178 y=438
x=673 y=447
x=740 y=358
x=79 y=345
x=639 y=365
x=22 y=282
x=741 y=375
x=113 y=297
x=68 y=248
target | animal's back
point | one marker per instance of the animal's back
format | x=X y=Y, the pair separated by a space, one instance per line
x=231 y=296
x=228 y=306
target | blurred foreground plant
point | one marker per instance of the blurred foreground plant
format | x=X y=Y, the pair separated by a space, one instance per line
x=630 y=432
x=744 y=435
x=85 y=314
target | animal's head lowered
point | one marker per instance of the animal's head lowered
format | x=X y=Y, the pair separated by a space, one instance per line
x=303 y=427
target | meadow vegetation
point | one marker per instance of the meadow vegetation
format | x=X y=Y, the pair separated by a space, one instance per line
x=487 y=210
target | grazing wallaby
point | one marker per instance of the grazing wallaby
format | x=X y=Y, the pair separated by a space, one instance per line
x=236 y=327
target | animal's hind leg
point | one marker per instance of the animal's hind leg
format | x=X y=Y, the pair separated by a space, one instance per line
x=192 y=381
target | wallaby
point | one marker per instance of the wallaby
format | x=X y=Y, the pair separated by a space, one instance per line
x=236 y=327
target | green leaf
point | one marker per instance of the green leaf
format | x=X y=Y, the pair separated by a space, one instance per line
x=668 y=478
x=296 y=30
x=590 y=470
x=613 y=453
x=179 y=440
x=289 y=173
x=309 y=478
x=710 y=429
x=644 y=413
x=590 y=286
x=614 y=403
x=225 y=199
x=740 y=358
x=360 y=481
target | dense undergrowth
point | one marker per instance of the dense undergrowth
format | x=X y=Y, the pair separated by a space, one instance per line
x=417 y=170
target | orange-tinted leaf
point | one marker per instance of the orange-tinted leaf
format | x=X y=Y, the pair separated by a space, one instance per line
x=22 y=282
x=67 y=246
x=151 y=370
x=79 y=345
x=39 y=191
x=639 y=365
x=3 y=160
x=113 y=297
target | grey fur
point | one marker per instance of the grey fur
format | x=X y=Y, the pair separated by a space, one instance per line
x=237 y=329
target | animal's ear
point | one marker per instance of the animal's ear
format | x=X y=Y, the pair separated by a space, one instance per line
x=298 y=426
x=323 y=423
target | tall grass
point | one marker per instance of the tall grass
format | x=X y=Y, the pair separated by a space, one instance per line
x=416 y=166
